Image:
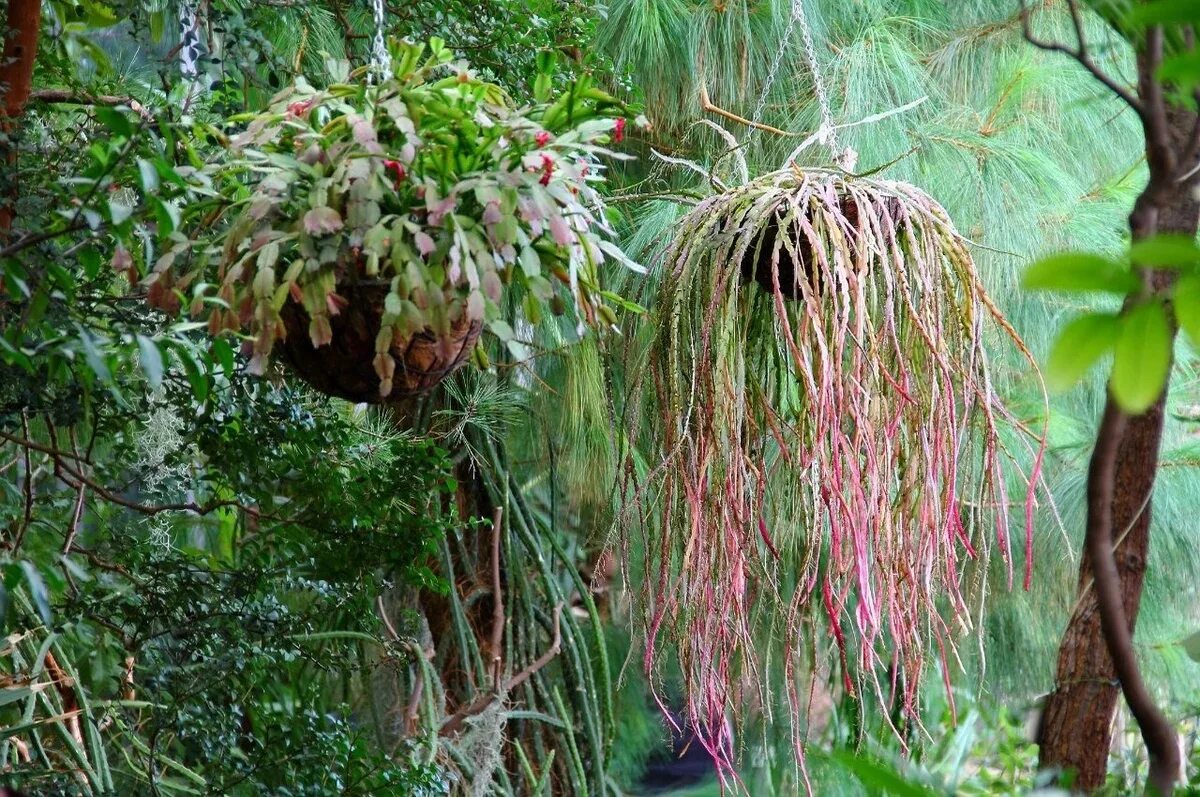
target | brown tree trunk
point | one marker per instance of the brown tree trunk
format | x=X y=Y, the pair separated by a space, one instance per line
x=1076 y=728
x=23 y=18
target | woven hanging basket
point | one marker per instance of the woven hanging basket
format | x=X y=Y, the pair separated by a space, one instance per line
x=345 y=366
x=756 y=263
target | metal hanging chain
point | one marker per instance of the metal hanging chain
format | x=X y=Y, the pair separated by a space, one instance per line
x=381 y=59
x=827 y=132
x=797 y=13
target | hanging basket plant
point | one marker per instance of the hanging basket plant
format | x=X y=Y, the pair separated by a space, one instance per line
x=831 y=448
x=368 y=233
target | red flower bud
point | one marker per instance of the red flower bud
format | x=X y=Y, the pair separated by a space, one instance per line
x=300 y=108
x=396 y=167
x=619 y=130
x=542 y=138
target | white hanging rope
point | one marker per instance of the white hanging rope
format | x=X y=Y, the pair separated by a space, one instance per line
x=381 y=60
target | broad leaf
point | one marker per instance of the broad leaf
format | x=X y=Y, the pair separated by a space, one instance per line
x=1082 y=342
x=1183 y=70
x=1165 y=250
x=151 y=360
x=1080 y=271
x=1191 y=646
x=1187 y=307
x=37 y=590
x=1165 y=12
x=1143 y=357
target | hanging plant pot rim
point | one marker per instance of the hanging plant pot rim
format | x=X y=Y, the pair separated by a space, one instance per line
x=344 y=367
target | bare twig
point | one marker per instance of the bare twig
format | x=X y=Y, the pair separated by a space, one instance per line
x=707 y=105
x=35 y=239
x=479 y=704
x=19 y=537
x=67 y=97
x=497 y=602
x=74 y=478
x=75 y=518
x=387 y=621
x=1080 y=53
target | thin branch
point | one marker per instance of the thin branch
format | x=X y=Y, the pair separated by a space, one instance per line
x=19 y=537
x=1157 y=732
x=67 y=97
x=387 y=621
x=1160 y=154
x=497 y=602
x=1081 y=54
x=706 y=104
x=479 y=704
x=75 y=518
x=35 y=239
x=74 y=479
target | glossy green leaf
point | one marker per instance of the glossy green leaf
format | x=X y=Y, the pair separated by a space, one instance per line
x=151 y=360
x=147 y=175
x=1191 y=646
x=1165 y=12
x=1165 y=250
x=1143 y=357
x=37 y=590
x=1081 y=343
x=1182 y=69
x=1080 y=271
x=117 y=122
x=1187 y=306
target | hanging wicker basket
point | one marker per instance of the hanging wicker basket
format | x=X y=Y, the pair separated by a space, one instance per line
x=345 y=366
x=756 y=264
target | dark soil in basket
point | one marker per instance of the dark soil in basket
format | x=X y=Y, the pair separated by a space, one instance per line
x=345 y=366
x=756 y=266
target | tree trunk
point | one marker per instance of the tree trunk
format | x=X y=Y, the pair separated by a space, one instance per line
x=1076 y=728
x=23 y=18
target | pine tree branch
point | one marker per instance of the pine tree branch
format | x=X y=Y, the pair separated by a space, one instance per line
x=1079 y=53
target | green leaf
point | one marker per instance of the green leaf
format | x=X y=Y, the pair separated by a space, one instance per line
x=37 y=590
x=167 y=215
x=1183 y=70
x=115 y=121
x=1143 y=357
x=1191 y=646
x=1187 y=306
x=195 y=374
x=94 y=358
x=1080 y=271
x=1164 y=12
x=119 y=212
x=1082 y=342
x=222 y=354
x=878 y=777
x=89 y=258
x=151 y=360
x=148 y=174
x=1165 y=250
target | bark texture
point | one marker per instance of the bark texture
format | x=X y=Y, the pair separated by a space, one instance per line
x=22 y=21
x=1076 y=729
